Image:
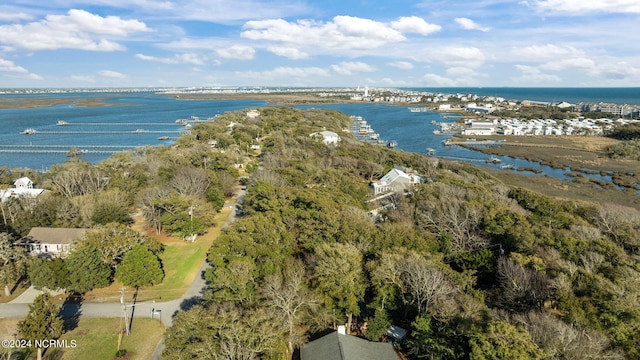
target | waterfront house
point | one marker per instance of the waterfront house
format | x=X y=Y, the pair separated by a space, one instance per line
x=395 y=180
x=328 y=137
x=43 y=241
x=340 y=346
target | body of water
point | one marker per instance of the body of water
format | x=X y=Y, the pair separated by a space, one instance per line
x=116 y=125
x=130 y=120
x=629 y=96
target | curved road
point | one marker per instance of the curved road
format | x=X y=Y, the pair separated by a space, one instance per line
x=19 y=307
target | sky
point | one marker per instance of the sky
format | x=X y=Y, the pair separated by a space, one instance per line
x=311 y=43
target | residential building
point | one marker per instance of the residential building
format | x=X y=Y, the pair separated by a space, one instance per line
x=23 y=189
x=328 y=137
x=395 y=180
x=51 y=241
x=339 y=346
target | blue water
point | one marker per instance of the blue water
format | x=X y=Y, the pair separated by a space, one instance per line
x=629 y=96
x=156 y=114
x=412 y=130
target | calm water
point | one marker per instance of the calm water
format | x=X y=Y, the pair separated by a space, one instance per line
x=128 y=112
x=157 y=115
x=571 y=95
x=414 y=133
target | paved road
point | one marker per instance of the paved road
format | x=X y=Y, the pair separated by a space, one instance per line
x=165 y=311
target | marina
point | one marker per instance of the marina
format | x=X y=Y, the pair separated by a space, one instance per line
x=363 y=132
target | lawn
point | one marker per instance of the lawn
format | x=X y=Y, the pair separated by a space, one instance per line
x=97 y=339
x=181 y=262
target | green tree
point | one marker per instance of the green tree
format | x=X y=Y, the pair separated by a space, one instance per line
x=50 y=274
x=222 y=331
x=340 y=277
x=501 y=340
x=87 y=271
x=113 y=241
x=140 y=267
x=13 y=262
x=43 y=321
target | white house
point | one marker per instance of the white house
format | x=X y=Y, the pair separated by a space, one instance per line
x=395 y=180
x=328 y=137
x=252 y=114
x=50 y=241
x=23 y=189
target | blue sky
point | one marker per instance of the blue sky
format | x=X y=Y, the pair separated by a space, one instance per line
x=428 y=43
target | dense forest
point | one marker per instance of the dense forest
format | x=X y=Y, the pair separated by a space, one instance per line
x=471 y=267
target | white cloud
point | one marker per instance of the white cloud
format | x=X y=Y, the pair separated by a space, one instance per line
x=414 y=24
x=285 y=72
x=455 y=56
x=533 y=75
x=462 y=72
x=405 y=65
x=575 y=63
x=112 y=74
x=349 y=68
x=438 y=81
x=469 y=24
x=10 y=66
x=240 y=52
x=78 y=29
x=188 y=58
x=288 y=52
x=616 y=71
x=342 y=33
x=579 y=7
x=546 y=52
x=13 y=16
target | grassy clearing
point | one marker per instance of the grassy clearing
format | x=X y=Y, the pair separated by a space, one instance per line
x=97 y=339
x=181 y=261
x=577 y=190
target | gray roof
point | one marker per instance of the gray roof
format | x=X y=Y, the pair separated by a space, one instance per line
x=346 y=347
x=44 y=235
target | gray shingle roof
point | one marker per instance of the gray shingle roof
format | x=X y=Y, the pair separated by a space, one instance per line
x=346 y=347
x=44 y=235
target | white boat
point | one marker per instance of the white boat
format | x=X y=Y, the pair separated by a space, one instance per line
x=62 y=123
x=430 y=151
x=436 y=132
x=493 y=160
x=29 y=131
x=140 y=131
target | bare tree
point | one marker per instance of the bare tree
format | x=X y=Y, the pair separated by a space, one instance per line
x=190 y=181
x=522 y=288
x=288 y=294
x=79 y=179
x=450 y=210
x=418 y=281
